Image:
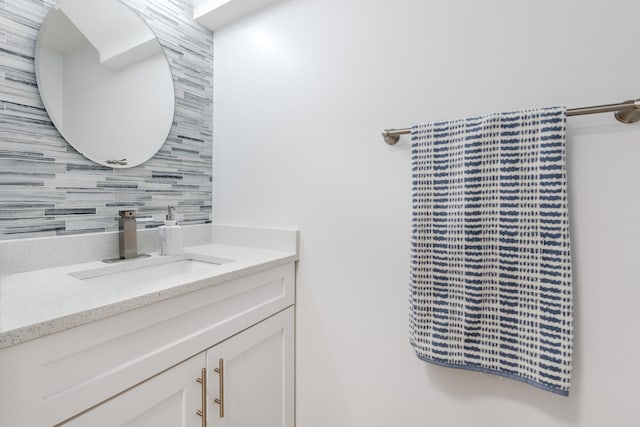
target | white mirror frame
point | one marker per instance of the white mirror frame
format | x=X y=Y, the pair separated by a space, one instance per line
x=105 y=81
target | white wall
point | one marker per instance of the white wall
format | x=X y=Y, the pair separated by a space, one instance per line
x=301 y=93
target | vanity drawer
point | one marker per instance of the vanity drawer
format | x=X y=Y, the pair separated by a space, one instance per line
x=47 y=380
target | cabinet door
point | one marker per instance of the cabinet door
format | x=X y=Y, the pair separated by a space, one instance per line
x=251 y=376
x=170 y=399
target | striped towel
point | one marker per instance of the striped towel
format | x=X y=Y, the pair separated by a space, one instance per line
x=490 y=256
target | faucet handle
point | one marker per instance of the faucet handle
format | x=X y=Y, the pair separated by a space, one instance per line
x=170 y=216
x=130 y=213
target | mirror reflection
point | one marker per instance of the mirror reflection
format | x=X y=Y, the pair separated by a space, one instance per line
x=104 y=81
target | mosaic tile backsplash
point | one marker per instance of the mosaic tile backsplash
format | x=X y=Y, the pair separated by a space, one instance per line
x=49 y=189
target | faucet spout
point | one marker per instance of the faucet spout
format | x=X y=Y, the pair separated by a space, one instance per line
x=128 y=235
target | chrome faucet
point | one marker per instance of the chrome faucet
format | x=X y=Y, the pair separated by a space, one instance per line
x=128 y=235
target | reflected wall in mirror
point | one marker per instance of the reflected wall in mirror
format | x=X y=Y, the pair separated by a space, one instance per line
x=105 y=81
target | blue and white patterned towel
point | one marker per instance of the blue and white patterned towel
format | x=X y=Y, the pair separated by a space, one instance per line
x=490 y=258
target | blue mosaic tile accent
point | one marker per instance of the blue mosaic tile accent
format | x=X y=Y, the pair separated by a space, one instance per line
x=49 y=189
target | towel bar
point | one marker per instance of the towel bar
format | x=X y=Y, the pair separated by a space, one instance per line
x=624 y=112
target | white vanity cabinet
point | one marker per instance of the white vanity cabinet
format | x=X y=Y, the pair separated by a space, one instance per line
x=170 y=399
x=139 y=368
x=250 y=377
x=249 y=383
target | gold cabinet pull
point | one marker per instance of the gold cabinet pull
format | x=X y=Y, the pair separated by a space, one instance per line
x=220 y=371
x=203 y=412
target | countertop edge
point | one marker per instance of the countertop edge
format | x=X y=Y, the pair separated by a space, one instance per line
x=44 y=328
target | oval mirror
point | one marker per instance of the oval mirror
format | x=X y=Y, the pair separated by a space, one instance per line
x=105 y=81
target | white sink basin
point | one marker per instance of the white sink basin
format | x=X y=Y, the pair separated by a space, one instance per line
x=145 y=272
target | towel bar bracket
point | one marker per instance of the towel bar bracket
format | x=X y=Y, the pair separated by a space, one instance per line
x=629 y=116
x=390 y=138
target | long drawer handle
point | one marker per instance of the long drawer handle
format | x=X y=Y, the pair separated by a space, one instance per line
x=220 y=371
x=203 y=412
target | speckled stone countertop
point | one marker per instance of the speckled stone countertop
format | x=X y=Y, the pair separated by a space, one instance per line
x=37 y=303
